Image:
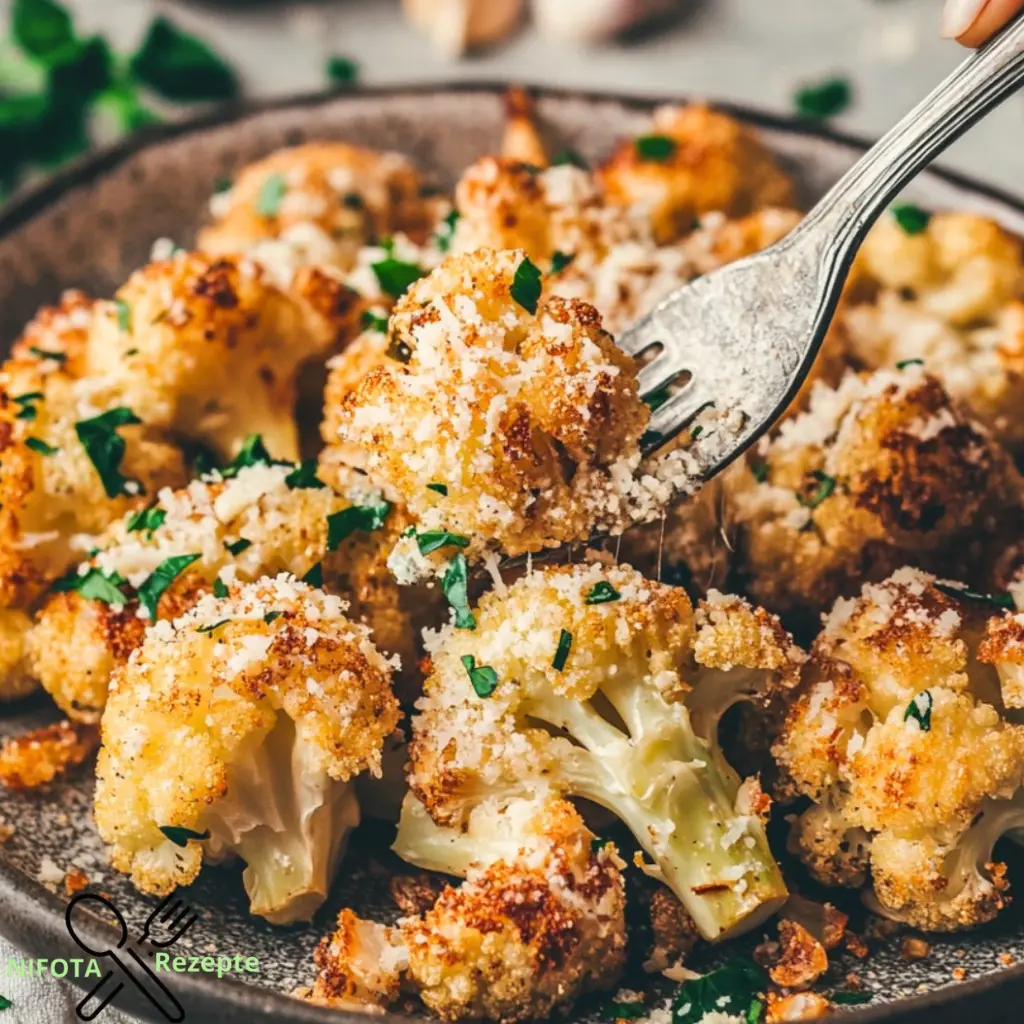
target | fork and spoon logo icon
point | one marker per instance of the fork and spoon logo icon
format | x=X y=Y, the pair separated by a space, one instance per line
x=164 y=927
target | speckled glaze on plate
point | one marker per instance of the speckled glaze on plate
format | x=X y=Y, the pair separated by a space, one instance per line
x=94 y=223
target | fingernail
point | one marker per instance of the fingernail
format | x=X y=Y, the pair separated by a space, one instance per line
x=959 y=15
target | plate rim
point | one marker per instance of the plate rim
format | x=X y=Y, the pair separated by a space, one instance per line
x=231 y=1001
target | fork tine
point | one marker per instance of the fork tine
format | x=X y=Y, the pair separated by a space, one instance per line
x=640 y=337
x=658 y=374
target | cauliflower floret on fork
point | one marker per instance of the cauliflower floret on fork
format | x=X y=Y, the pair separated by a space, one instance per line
x=503 y=421
x=595 y=682
x=947 y=289
x=238 y=730
x=259 y=519
x=539 y=921
x=882 y=470
x=902 y=740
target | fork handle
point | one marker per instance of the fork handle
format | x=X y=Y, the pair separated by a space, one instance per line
x=977 y=86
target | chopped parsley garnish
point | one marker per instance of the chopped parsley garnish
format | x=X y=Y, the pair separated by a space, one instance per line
x=731 y=989
x=602 y=593
x=483 y=677
x=372 y=322
x=396 y=276
x=210 y=628
x=42 y=353
x=695 y=432
x=443 y=235
x=823 y=99
x=624 y=1011
x=455 y=586
x=124 y=315
x=352 y=201
x=149 y=518
x=1001 y=600
x=562 y=650
x=656 y=399
x=526 y=286
x=220 y=588
x=37 y=444
x=560 y=260
x=826 y=485
x=179 y=66
x=26 y=408
x=754 y=1012
x=271 y=195
x=41 y=27
x=851 y=998
x=759 y=467
x=222 y=185
x=651 y=438
x=569 y=156
x=252 y=453
x=95 y=585
x=153 y=586
x=920 y=710
x=315 y=576
x=180 y=836
x=271 y=617
x=441 y=489
x=341 y=71
x=598 y=843
x=5 y=1003
x=366 y=518
x=105 y=448
x=655 y=147
x=236 y=547
x=904 y=363
x=911 y=219
x=303 y=477
x=434 y=539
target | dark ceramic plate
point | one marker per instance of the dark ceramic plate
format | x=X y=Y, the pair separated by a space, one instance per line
x=89 y=227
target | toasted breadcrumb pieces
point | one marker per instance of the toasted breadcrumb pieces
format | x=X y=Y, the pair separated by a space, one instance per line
x=35 y=758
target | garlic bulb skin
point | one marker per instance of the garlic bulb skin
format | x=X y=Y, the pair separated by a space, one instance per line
x=589 y=21
x=455 y=26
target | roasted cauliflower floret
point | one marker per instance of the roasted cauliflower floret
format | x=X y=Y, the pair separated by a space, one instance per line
x=317 y=203
x=237 y=729
x=694 y=160
x=209 y=348
x=504 y=421
x=539 y=921
x=598 y=683
x=901 y=740
x=950 y=294
x=884 y=469
x=260 y=520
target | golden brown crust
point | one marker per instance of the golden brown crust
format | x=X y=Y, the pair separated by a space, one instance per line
x=35 y=758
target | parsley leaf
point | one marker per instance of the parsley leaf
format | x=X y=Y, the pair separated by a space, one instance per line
x=41 y=28
x=598 y=843
x=105 y=448
x=560 y=260
x=342 y=71
x=443 y=235
x=526 y=286
x=1001 y=600
x=303 y=477
x=124 y=315
x=656 y=399
x=26 y=408
x=149 y=519
x=441 y=489
x=42 y=353
x=95 y=585
x=180 y=66
x=822 y=100
x=826 y=485
x=395 y=276
x=602 y=593
x=37 y=444
x=220 y=588
x=236 y=547
x=434 y=539
x=372 y=322
x=655 y=147
x=562 y=651
x=624 y=1011
x=271 y=617
x=153 y=586
x=904 y=363
x=210 y=628
x=911 y=219
x=455 y=586
x=341 y=525
x=252 y=453
x=271 y=195
x=483 y=677
x=315 y=576
x=759 y=467
x=180 y=836
x=5 y=1003
x=570 y=156
x=728 y=990
x=920 y=709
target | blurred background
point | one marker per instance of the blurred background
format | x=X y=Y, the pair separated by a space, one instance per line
x=79 y=72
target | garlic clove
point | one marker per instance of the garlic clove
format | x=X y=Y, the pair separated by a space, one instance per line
x=589 y=21
x=455 y=26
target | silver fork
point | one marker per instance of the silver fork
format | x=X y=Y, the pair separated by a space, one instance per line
x=746 y=335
